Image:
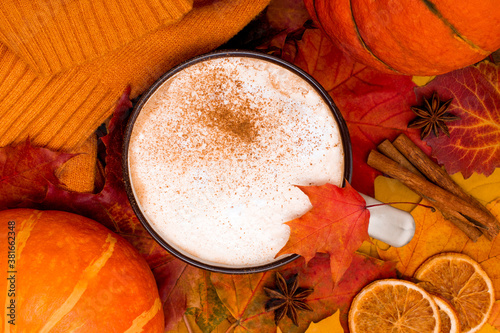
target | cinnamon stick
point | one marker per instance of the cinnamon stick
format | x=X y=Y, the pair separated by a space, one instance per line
x=389 y=150
x=451 y=205
x=437 y=175
x=430 y=169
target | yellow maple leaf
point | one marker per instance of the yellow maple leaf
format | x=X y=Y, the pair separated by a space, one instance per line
x=371 y=248
x=422 y=80
x=488 y=329
x=434 y=235
x=327 y=325
x=484 y=189
x=392 y=190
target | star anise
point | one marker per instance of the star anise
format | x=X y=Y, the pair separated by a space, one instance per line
x=287 y=299
x=432 y=116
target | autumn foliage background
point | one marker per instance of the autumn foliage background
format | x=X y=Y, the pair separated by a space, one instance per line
x=376 y=107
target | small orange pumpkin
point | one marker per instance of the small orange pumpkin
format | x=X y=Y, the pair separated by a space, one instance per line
x=67 y=273
x=413 y=37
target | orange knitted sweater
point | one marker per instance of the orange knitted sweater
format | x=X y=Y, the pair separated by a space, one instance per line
x=65 y=63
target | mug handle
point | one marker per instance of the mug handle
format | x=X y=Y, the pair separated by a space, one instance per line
x=388 y=224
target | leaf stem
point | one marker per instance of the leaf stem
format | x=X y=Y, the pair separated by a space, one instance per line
x=186 y=322
x=402 y=202
x=232 y=327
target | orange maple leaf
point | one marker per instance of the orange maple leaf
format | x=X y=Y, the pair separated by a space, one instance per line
x=494 y=319
x=337 y=224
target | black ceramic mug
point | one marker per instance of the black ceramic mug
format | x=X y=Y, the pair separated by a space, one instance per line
x=172 y=248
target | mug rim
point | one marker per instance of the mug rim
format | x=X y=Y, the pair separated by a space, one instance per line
x=344 y=133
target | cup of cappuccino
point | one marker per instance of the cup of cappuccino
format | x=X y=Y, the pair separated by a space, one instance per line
x=213 y=153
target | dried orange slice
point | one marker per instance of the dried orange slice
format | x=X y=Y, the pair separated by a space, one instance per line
x=449 y=318
x=395 y=306
x=461 y=280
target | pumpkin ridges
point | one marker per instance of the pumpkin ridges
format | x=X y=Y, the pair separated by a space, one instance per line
x=433 y=9
x=410 y=38
x=114 y=288
x=89 y=273
x=144 y=318
x=479 y=21
x=362 y=42
x=157 y=321
x=59 y=248
x=342 y=36
x=380 y=27
x=26 y=227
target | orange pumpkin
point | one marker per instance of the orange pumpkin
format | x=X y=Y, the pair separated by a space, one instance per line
x=67 y=273
x=413 y=37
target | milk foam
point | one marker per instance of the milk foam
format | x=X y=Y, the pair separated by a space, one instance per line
x=216 y=151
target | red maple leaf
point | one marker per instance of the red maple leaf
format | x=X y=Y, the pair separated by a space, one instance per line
x=337 y=224
x=26 y=172
x=474 y=141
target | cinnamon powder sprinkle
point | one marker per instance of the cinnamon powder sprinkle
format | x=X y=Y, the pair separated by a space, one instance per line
x=217 y=151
